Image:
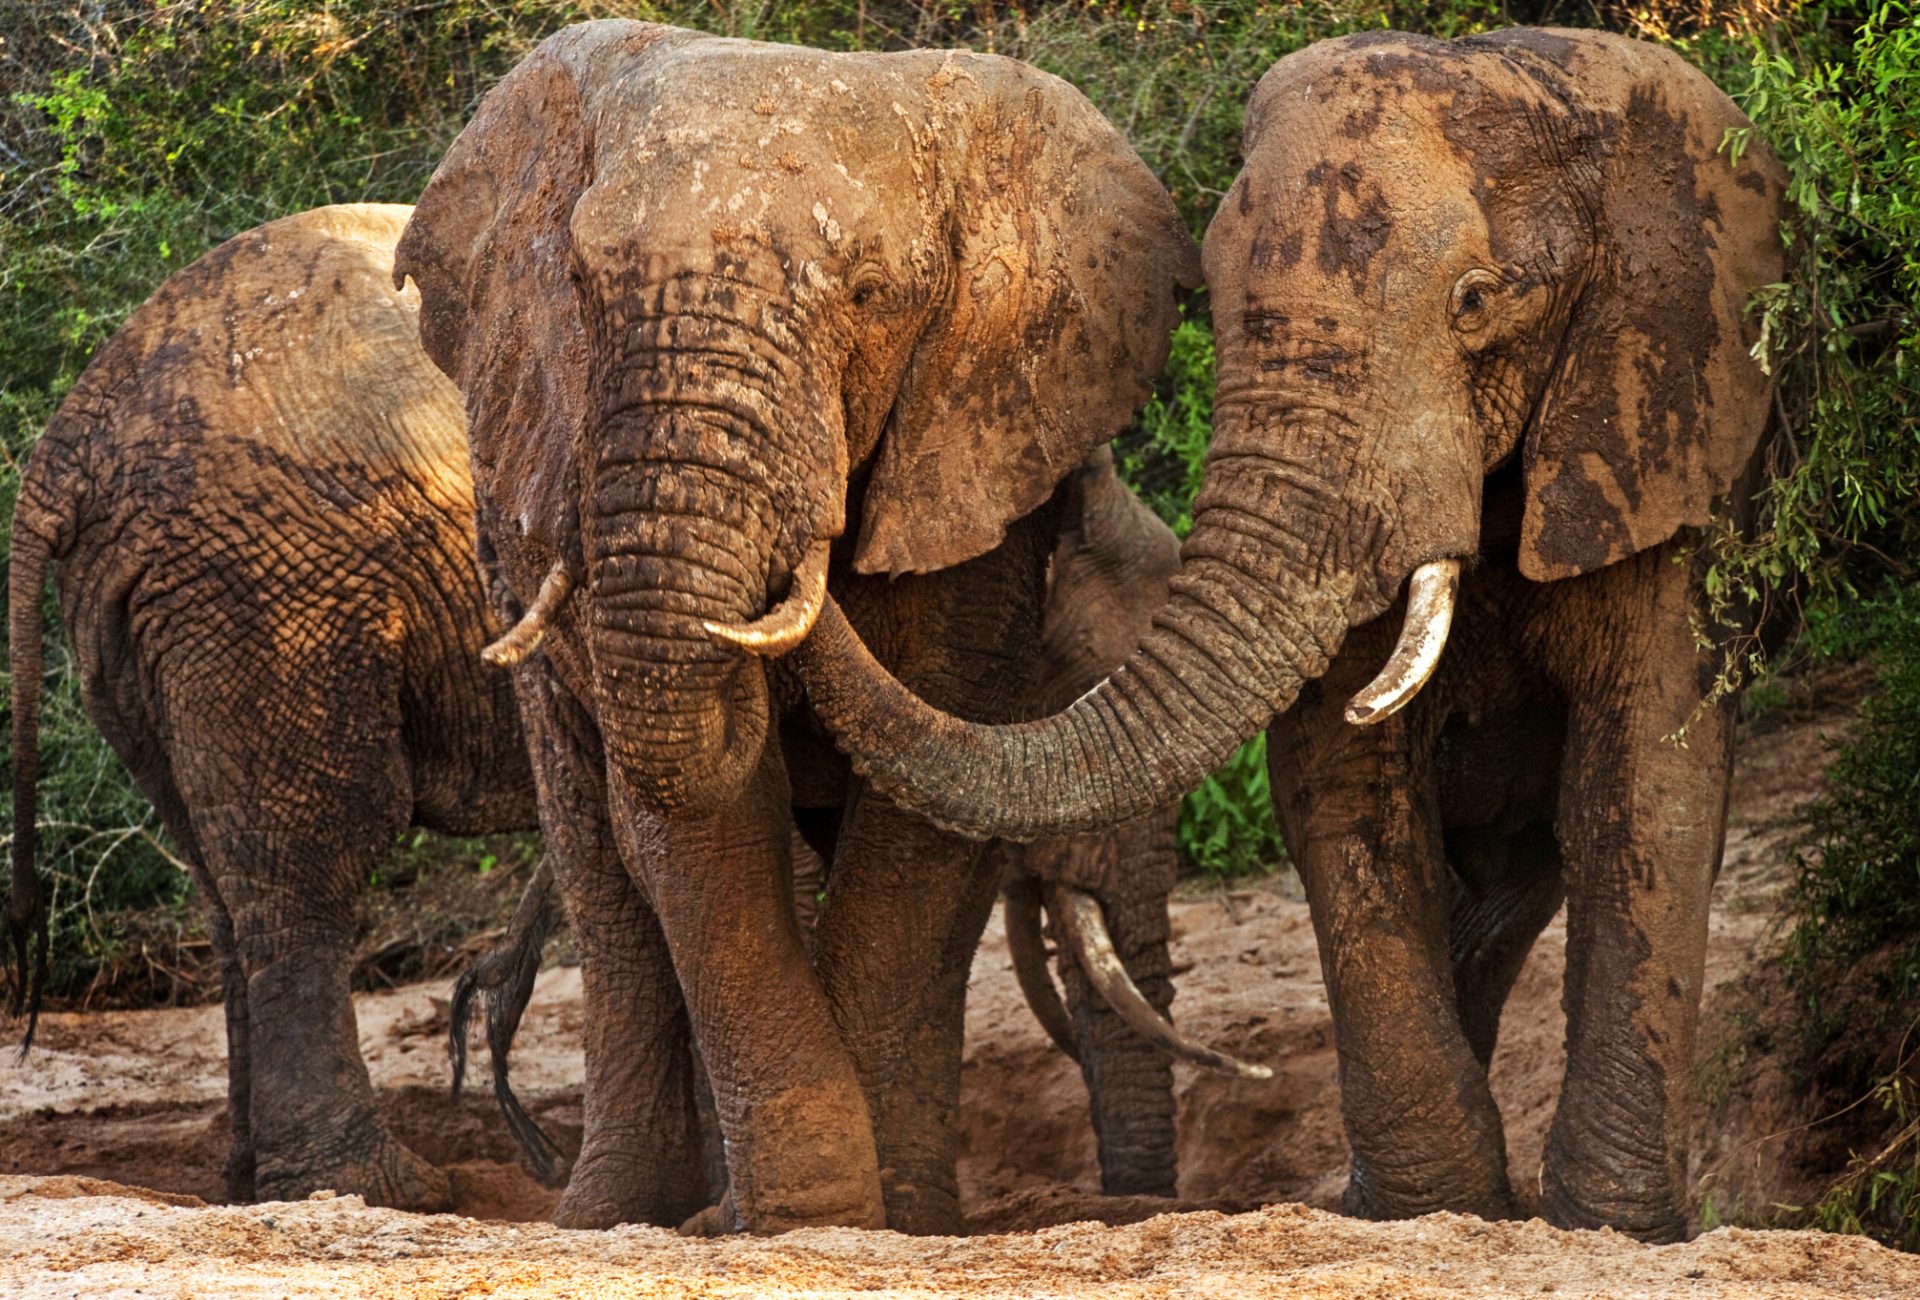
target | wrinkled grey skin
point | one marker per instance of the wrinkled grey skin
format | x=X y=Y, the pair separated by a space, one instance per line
x=256 y=507
x=1108 y=574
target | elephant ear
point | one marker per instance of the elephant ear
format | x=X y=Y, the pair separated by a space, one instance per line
x=489 y=247
x=1656 y=406
x=1065 y=256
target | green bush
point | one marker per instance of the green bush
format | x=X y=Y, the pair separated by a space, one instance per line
x=1853 y=953
x=1858 y=890
x=1837 y=93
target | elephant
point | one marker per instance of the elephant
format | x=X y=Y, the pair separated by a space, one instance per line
x=1479 y=313
x=257 y=507
x=707 y=299
x=1106 y=893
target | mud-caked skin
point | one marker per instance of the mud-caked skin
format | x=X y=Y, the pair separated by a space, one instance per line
x=715 y=306
x=1108 y=574
x=257 y=509
x=1477 y=301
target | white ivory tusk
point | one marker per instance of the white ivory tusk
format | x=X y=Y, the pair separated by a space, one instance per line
x=524 y=637
x=786 y=625
x=1423 y=636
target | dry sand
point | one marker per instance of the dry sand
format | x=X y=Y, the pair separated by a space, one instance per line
x=115 y=1102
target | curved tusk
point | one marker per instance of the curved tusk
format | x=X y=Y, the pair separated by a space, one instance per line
x=786 y=625
x=524 y=637
x=1029 y=952
x=1422 y=637
x=1087 y=932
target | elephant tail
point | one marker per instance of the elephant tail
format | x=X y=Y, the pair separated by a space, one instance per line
x=27 y=909
x=506 y=974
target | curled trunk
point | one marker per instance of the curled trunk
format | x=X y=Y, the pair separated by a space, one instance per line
x=1257 y=609
x=672 y=545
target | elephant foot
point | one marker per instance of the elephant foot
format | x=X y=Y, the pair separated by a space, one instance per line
x=1367 y=1197
x=378 y=1168
x=611 y=1187
x=714 y=1221
x=921 y=1210
x=1595 y=1199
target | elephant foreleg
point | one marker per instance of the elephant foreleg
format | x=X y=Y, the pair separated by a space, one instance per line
x=799 y=1141
x=1360 y=823
x=641 y=1156
x=904 y=910
x=1641 y=819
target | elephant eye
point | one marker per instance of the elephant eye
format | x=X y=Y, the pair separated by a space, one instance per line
x=870 y=288
x=1470 y=294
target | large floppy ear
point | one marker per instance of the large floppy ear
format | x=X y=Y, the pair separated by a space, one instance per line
x=1066 y=253
x=490 y=249
x=1656 y=405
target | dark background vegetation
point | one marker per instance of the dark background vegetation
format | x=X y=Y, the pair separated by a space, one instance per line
x=136 y=134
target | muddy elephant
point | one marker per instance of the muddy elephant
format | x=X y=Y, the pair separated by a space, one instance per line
x=257 y=509
x=1479 y=307
x=1106 y=893
x=708 y=300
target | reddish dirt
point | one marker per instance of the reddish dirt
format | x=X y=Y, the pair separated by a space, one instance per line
x=138 y=1098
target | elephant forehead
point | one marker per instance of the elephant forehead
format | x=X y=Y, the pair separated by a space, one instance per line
x=1443 y=152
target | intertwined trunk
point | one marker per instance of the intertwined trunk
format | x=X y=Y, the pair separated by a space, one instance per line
x=1277 y=568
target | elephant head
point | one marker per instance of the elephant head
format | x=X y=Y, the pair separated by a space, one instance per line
x=694 y=288
x=1524 y=251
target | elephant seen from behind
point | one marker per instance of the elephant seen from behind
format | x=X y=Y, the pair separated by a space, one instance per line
x=1480 y=312
x=257 y=510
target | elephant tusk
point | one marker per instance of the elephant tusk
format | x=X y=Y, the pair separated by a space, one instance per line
x=1422 y=637
x=1029 y=952
x=1087 y=932
x=786 y=625
x=524 y=637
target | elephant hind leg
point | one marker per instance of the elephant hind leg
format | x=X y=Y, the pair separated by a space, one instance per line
x=1510 y=886
x=1129 y=1080
x=291 y=817
x=241 y=1156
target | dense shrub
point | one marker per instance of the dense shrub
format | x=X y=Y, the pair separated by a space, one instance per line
x=1853 y=952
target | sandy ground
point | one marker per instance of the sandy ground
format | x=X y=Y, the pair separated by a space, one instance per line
x=114 y=1102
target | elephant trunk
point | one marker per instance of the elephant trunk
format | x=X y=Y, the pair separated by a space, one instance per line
x=676 y=539
x=1277 y=568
